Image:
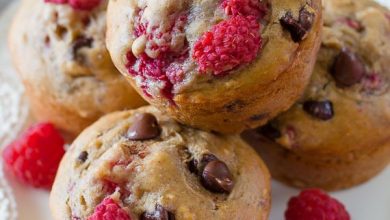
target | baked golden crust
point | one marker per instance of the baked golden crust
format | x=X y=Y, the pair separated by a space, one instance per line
x=61 y=57
x=337 y=134
x=328 y=173
x=156 y=172
x=248 y=96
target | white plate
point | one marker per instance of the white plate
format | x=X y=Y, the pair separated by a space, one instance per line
x=370 y=201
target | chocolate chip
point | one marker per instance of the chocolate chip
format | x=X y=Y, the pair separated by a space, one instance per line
x=79 y=43
x=306 y=18
x=160 y=213
x=269 y=131
x=83 y=157
x=145 y=127
x=193 y=166
x=320 y=109
x=348 y=68
x=216 y=177
x=298 y=28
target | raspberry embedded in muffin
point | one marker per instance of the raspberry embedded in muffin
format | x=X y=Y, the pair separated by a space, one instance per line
x=196 y=59
x=228 y=45
x=159 y=55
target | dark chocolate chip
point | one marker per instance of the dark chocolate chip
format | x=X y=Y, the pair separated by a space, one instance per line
x=306 y=19
x=83 y=157
x=319 y=109
x=216 y=177
x=79 y=43
x=348 y=68
x=145 y=127
x=193 y=166
x=206 y=158
x=298 y=28
x=160 y=213
x=269 y=131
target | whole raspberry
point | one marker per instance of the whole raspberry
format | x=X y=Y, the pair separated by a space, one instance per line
x=314 y=204
x=34 y=157
x=244 y=7
x=229 y=44
x=108 y=209
x=84 y=4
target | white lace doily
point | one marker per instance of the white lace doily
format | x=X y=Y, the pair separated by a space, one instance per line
x=7 y=200
x=14 y=113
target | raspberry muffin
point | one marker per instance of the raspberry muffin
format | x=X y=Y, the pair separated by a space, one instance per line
x=220 y=65
x=59 y=51
x=144 y=165
x=337 y=135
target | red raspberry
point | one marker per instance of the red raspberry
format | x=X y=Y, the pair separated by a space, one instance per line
x=84 y=4
x=229 y=44
x=34 y=157
x=165 y=69
x=244 y=7
x=314 y=204
x=108 y=209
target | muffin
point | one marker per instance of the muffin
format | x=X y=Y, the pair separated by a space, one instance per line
x=146 y=165
x=60 y=54
x=216 y=65
x=337 y=135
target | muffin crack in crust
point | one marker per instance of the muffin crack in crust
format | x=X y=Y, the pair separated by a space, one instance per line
x=148 y=165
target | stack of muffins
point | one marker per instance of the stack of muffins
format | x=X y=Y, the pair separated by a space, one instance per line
x=211 y=70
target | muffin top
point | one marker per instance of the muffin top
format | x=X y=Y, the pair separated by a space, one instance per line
x=171 y=48
x=149 y=165
x=346 y=106
x=59 y=49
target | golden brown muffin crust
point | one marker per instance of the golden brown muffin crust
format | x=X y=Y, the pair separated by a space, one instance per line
x=157 y=171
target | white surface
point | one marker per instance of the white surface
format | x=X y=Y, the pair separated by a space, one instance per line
x=370 y=201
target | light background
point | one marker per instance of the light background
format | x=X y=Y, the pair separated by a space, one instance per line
x=370 y=201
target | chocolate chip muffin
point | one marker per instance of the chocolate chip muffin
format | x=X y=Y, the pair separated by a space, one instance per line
x=59 y=51
x=337 y=135
x=220 y=65
x=144 y=165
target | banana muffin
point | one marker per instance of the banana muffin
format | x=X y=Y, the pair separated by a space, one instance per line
x=141 y=164
x=218 y=65
x=338 y=134
x=59 y=51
